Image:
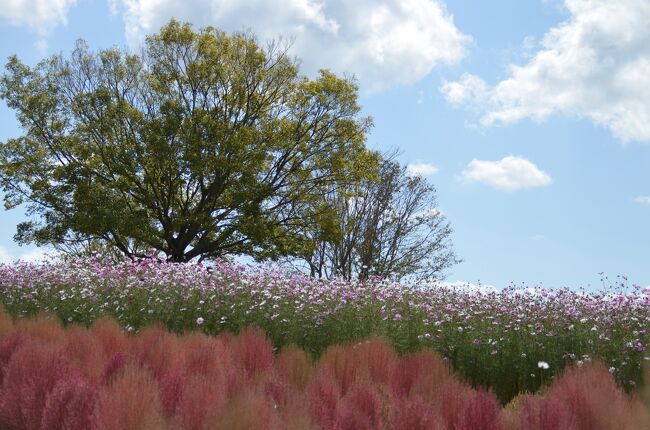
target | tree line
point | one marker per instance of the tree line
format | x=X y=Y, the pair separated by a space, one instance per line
x=205 y=145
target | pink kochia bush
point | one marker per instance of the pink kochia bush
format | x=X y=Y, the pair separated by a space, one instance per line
x=100 y=377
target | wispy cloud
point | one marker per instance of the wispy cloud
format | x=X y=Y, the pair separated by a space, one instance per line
x=508 y=174
x=420 y=98
x=643 y=200
x=421 y=169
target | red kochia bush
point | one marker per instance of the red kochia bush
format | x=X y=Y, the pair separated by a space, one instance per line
x=131 y=400
x=254 y=351
x=45 y=327
x=205 y=355
x=69 y=406
x=29 y=377
x=414 y=414
x=483 y=412
x=295 y=366
x=377 y=357
x=111 y=336
x=250 y=410
x=361 y=409
x=100 y=378
x=535 y=413
x=323 y=394
x=372 y=360
x=422 y=374
x=171 y=385
x=85 y=351
x=201 y=400
x=582 y=399
x=158 y=350
x=6 y=325
x=10 y=344
x=453 y=401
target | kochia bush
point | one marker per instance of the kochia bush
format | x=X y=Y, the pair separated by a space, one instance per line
x=239 y=382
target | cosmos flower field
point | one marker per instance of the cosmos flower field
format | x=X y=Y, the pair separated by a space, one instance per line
x=511 y=341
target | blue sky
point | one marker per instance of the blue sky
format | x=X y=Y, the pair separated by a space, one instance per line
x=531 y=118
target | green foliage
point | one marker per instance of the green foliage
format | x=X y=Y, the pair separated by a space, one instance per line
x=204 y=145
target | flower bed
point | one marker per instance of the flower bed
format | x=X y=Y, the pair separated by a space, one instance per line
x=495 y=339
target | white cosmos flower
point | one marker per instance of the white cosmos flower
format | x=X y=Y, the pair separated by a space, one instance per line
x=542 y=365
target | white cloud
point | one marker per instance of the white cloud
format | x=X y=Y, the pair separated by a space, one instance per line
x=5 y=257
x=469 y=287
x=643 y=200
x=33 y=255
x=39 y=15
x=595 y=65
x=37 y=254
x=508 y=174
x=421 y=169
x=383 y=42
x=429 y=212
x=470 y=89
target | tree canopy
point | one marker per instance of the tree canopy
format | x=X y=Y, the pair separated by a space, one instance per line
x=204 y=144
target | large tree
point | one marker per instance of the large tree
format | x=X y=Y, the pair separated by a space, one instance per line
x=204 y=144
x=390 y=228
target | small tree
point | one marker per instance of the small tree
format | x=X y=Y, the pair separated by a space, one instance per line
x=204 y=145
x=389 y=228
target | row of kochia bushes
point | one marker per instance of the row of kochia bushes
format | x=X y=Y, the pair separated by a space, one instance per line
x=493 y=338
x=103 y=378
